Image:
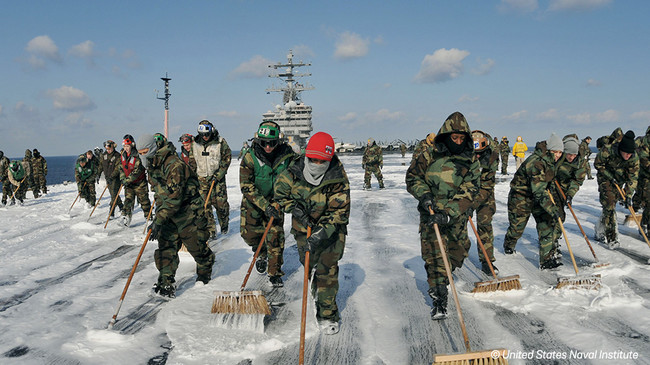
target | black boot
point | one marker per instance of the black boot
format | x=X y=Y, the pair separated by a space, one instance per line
x=438 y=296
x=486 y=268
x=550 y=263
x=276 y=281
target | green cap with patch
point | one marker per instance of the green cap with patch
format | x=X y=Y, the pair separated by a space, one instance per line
x=268 y=131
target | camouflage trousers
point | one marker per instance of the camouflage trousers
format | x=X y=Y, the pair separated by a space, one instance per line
x=641 y=199
x=20 y=191
x=519 y=210
x=218 y=200
x=325 y=282
x=7 y=190
x=187 y=228
x=113 y=190
x=589 y=170
x=373 y=169
x=456 y=241
x=40 y=182
x=504 y=163
x=141 y=191
x=87 y=189
x=253 y=225
x=31 y=183
x=484 y=214
x=608 y=196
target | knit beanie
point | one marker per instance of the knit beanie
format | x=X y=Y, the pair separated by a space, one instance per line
x=627 y=143
x=320 y=147
x=571 y=145
x=554 y=143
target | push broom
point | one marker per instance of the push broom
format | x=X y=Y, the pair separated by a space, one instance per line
x=73 y=203
x=506 y=283
x=243 y=302
x=97 y=204
x=597 y=263
x=470 y=357
x=577 y=282
x=636 y=219
x=113 y=206
x=303 y=312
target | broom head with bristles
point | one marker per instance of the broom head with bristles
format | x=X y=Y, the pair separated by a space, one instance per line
x=629 y=220
x=591 y=282
x=475 y=357
x=598 y=265
x=240 y=302
x=502 y=284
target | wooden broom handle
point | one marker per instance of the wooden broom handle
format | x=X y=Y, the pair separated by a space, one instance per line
x=566 y=238
x=207 y=199
x=98 y=200
x=620 y=191
x=480 y=244
x=303 y=315
x=257 y=252
x=576 y=219
x=113 y=206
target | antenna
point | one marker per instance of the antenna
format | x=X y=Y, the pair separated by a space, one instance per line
x=166 y=99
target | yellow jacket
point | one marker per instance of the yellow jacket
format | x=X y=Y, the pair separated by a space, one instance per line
x=518 y=149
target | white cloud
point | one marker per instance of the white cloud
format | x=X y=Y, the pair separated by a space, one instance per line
x=551 y=114
x=256 y=67
x=84 y=50
x=593 y=83
x=383 y=115
x=228 y=114
x=302 y=50
x=348 y=117
x=351 y=45
x=576 y=5
x=387 y=85
x=77 y=119
x=44 y=46
x=608 y=116
x=27 y=115
x=483 y=68
x=643 y=115
x=518 y=6
x=517 y=116
x=467 y=98
x=442 y=65
x=70 y=99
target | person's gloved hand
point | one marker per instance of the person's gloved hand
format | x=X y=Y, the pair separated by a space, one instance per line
x=363 y=166
x=628 y=201
x=317 y=238
x=426 y=202
x=300 y=214
x=155 y=231
x=439 y=218
x=272 y=211
x=569 y=201
x=555 y=213
x=213 y=179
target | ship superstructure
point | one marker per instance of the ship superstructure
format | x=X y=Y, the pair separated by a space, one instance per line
x=293 y=116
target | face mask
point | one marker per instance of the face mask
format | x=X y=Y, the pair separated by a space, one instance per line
x=454 y=148
x=314 y=172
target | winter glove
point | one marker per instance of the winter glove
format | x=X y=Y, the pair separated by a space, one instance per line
x=317 y=239
x=426 y=202
x=155 y=231
x=272 y=211
x=439 y=218
x=213 y=179
x=628 y=201
x=569 y=201
x=300 y=214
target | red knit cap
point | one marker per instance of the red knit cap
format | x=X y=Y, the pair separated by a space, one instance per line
x=320 y=147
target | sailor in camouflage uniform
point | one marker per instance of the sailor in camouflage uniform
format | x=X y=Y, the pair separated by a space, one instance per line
x=504 y=150
x=423 y=145
x=484 y=203
x=180 y=218
x=110 y=161
x=84 y=175
x=528 y=194
x=7 y=187
x=316 y=190
x=133 y=178
x=608 y=140
x=258 y=172
x=570 y=174
x=213 y=157
x=186 y=154
x=641 y=199
x=29 y=170
x=18 y=178
x=585 y=152
x=615 y=164
x=446 y=180
x=39 y=170
x=372 y=162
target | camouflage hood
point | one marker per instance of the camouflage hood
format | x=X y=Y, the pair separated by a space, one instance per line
x=455 y=123
x=28 y=153
x=161 y=155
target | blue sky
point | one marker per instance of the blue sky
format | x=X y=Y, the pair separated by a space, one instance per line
x=76 y=73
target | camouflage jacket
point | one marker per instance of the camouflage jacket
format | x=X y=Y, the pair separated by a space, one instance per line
x=584 y=151
x=644 y=158
x=39 y=166
x=94 y=165
x=131 y=169
x=504 y=148
x=4 y=167
x=452 y=180
x=605 y=141
x=27 y=162
x=175 y=185
x=188 y=158
x=571 y=175
x=535 y=176
x=373 y=156
x=611 y=166
x=421 y=147
x=489 y=160
x=109 y=163
x=84 y=173
x=257 y=174
x=328 y=204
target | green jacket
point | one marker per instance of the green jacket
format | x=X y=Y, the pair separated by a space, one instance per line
x=535 y=176
x=504 y=148
x=257 y=176
x=452 y=180
x=644 y=158
x=611 y=166
x=84 y=173
x=328 y=204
